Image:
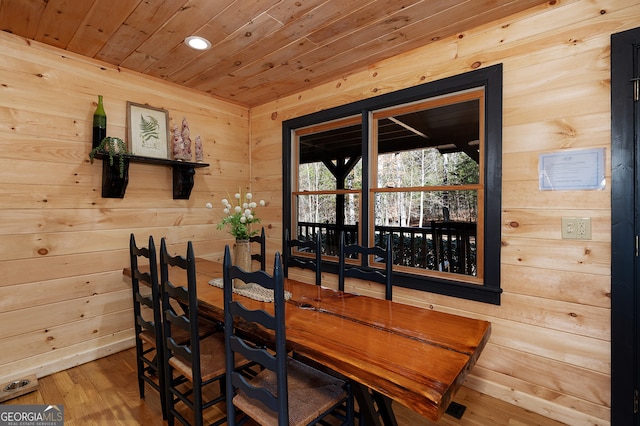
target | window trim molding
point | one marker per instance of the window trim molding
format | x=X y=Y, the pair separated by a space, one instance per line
x=491 y=79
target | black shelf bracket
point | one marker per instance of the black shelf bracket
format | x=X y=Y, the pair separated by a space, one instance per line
x=114 y=186
x=182 y=181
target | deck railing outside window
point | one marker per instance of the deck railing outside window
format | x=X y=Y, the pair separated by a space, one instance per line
x=440 y=246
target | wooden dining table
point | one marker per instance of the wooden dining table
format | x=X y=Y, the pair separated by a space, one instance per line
x=389 y=351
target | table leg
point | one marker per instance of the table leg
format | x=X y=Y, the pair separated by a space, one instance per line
x=384 y=409
x=368 y=400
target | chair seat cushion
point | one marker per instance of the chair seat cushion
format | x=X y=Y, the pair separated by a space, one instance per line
x=148 y=337
x=212 y=359
x=311 y=393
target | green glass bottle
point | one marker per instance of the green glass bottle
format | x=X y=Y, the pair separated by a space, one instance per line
x=99 y=124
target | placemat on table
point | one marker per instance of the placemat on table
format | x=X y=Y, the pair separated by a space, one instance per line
x=253 y=291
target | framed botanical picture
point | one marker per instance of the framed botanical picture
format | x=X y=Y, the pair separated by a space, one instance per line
x=148 y=130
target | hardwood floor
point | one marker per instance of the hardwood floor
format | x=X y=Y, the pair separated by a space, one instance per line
x=105 y=392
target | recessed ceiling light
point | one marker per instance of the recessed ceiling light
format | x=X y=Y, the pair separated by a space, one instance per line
x=198 y=43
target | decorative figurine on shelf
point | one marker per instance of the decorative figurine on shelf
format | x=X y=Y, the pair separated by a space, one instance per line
x=178 y=144
x=111 y=146
x=186 y=139
x=199 y=152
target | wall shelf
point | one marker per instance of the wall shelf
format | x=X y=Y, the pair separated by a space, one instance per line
x=114 y=186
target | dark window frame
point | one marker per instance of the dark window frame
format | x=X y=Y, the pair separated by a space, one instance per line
x=491 y=79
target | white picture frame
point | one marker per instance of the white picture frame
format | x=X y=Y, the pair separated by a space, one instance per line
x=148 y=131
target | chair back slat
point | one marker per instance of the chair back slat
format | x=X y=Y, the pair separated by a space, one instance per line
x=259 y=394
x=179 y=293
x=146 y=325
x=362 y=274
x=262 y=256
x=309 y=246
x=253 y=353
x=383 y=276
x=144 y=300
x=260 y=317
x=182 y=351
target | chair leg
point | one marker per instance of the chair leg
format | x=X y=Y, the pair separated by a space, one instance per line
x=141 y=368
x=140 y=380
x=162 y=385
x=169 y=399
x=197 y=405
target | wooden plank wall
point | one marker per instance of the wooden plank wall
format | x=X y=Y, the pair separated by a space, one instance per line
x=63 y=300
x=550 y=347
x=62 y=247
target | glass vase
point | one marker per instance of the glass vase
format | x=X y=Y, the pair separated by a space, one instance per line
x=242 y=259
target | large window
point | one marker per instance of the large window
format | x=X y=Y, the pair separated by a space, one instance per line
x=422 y=164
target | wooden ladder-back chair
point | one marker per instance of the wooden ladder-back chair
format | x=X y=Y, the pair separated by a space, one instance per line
x=147 y=320
x=195 y=364
x=382 y=276
x=315 y=263
x=286 y=392
x=262 y=256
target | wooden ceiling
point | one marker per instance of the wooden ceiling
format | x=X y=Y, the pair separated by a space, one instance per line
x=262 y=50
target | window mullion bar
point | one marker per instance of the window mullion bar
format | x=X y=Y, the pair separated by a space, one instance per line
x=471 y=187
x=368 y=172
